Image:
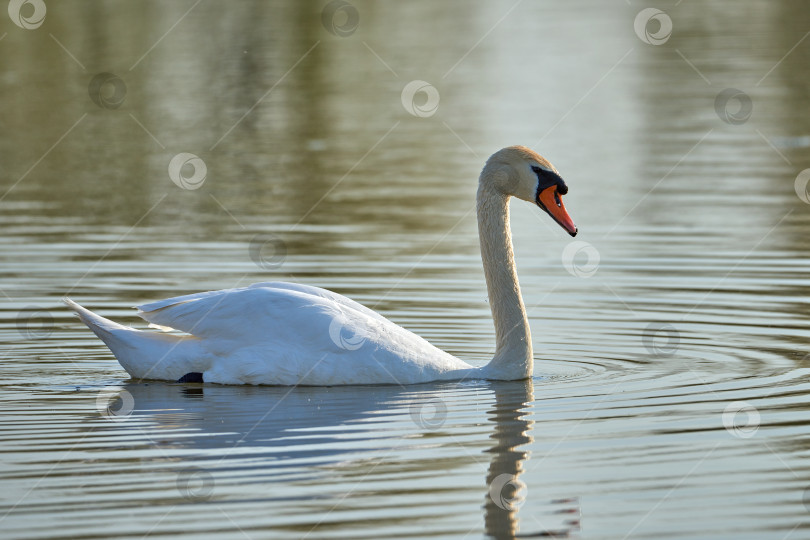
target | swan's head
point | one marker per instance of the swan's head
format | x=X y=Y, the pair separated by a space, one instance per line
x=523 y=173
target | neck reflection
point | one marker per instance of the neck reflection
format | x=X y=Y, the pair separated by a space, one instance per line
x=506 y=491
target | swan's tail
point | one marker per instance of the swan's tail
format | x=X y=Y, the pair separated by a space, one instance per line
x=145 y=355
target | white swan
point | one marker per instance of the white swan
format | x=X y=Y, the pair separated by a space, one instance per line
x=289 y=334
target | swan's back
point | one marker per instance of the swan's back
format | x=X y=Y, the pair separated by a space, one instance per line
x=287 y=333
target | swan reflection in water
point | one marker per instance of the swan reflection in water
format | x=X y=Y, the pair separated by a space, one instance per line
x=321 y=430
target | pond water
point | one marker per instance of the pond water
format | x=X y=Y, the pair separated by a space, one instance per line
x=670 y=396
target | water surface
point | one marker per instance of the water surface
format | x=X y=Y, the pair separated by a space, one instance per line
x=670 y=389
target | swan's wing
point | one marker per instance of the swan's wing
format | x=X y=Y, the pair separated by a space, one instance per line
x=153 y=306
x=284 y=333
x=249 y=312
x=232 y=314
x=338 y=299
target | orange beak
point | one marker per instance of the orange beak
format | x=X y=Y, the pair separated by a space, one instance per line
x=550 y=201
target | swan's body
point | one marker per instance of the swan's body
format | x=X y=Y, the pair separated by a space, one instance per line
x=274 y=333
x=288 y=334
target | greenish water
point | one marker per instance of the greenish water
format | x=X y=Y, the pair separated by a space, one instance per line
x=670 y=389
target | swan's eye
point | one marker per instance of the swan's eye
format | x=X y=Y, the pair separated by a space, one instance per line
x=547 y=178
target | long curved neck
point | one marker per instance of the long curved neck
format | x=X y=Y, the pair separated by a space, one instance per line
x=513 y=353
